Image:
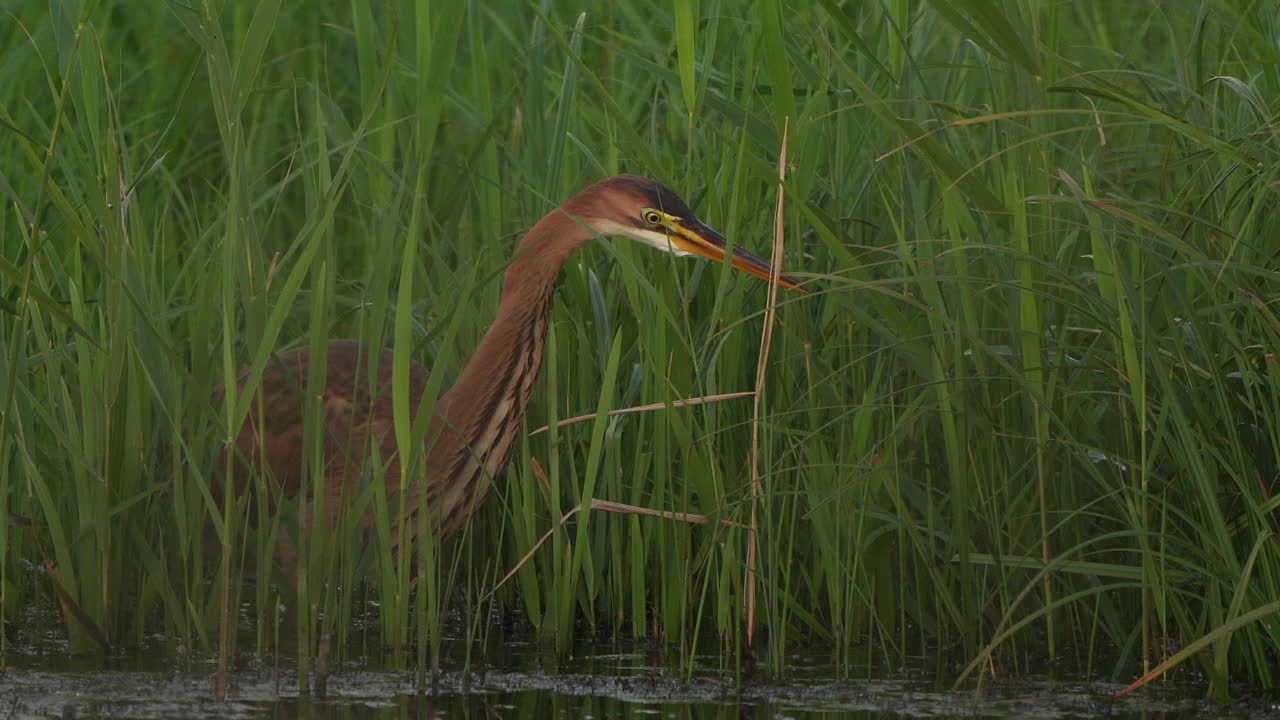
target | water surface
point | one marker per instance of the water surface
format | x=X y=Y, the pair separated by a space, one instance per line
x=596 y=682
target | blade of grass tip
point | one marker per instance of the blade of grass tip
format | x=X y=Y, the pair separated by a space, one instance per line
x=765 y=338
x=996 y=29
x=249 y=58
x=684 y=20
x=629 y=136
x=685 y=15
x=775 y=59
x=568 y=109
x=437 y=53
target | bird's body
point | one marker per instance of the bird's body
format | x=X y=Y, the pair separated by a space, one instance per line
x=475 y=423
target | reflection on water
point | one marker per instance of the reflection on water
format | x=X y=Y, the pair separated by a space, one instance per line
x=595 y=683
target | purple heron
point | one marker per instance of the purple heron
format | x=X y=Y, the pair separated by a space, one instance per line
x=475 y=423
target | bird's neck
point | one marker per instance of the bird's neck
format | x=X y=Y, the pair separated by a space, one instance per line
x=481 y=414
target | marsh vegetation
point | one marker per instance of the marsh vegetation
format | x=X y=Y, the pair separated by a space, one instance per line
x=1028 y=414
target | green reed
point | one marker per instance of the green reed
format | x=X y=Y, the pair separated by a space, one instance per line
x=1028 y=412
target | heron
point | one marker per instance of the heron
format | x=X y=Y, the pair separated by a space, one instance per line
x=475 y=423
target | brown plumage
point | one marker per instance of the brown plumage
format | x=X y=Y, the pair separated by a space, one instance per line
x=475 y=423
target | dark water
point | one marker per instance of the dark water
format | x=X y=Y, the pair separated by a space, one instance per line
x=595 y=683
x=507 y=679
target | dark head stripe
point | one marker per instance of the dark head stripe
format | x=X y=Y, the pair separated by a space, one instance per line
x=659 y=196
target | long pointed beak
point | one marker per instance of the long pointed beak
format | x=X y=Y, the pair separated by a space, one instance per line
x=691 y=236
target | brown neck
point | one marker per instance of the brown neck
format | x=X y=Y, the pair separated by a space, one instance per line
x=518 y=330
x=480 y=416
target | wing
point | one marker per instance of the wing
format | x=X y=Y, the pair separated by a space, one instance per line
x=356 y=413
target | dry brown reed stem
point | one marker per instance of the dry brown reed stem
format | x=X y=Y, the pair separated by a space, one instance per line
x=650 y=408
x=602 y=506
x=766 y=338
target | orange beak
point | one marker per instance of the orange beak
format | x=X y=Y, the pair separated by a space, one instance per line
x=691 y=236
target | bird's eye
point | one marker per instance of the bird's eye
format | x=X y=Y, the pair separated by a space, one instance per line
x=652 y=217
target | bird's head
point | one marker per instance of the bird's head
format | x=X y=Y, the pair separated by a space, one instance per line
x=645 y=210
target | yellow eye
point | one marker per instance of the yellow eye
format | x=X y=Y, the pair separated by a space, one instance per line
x=652 y=217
